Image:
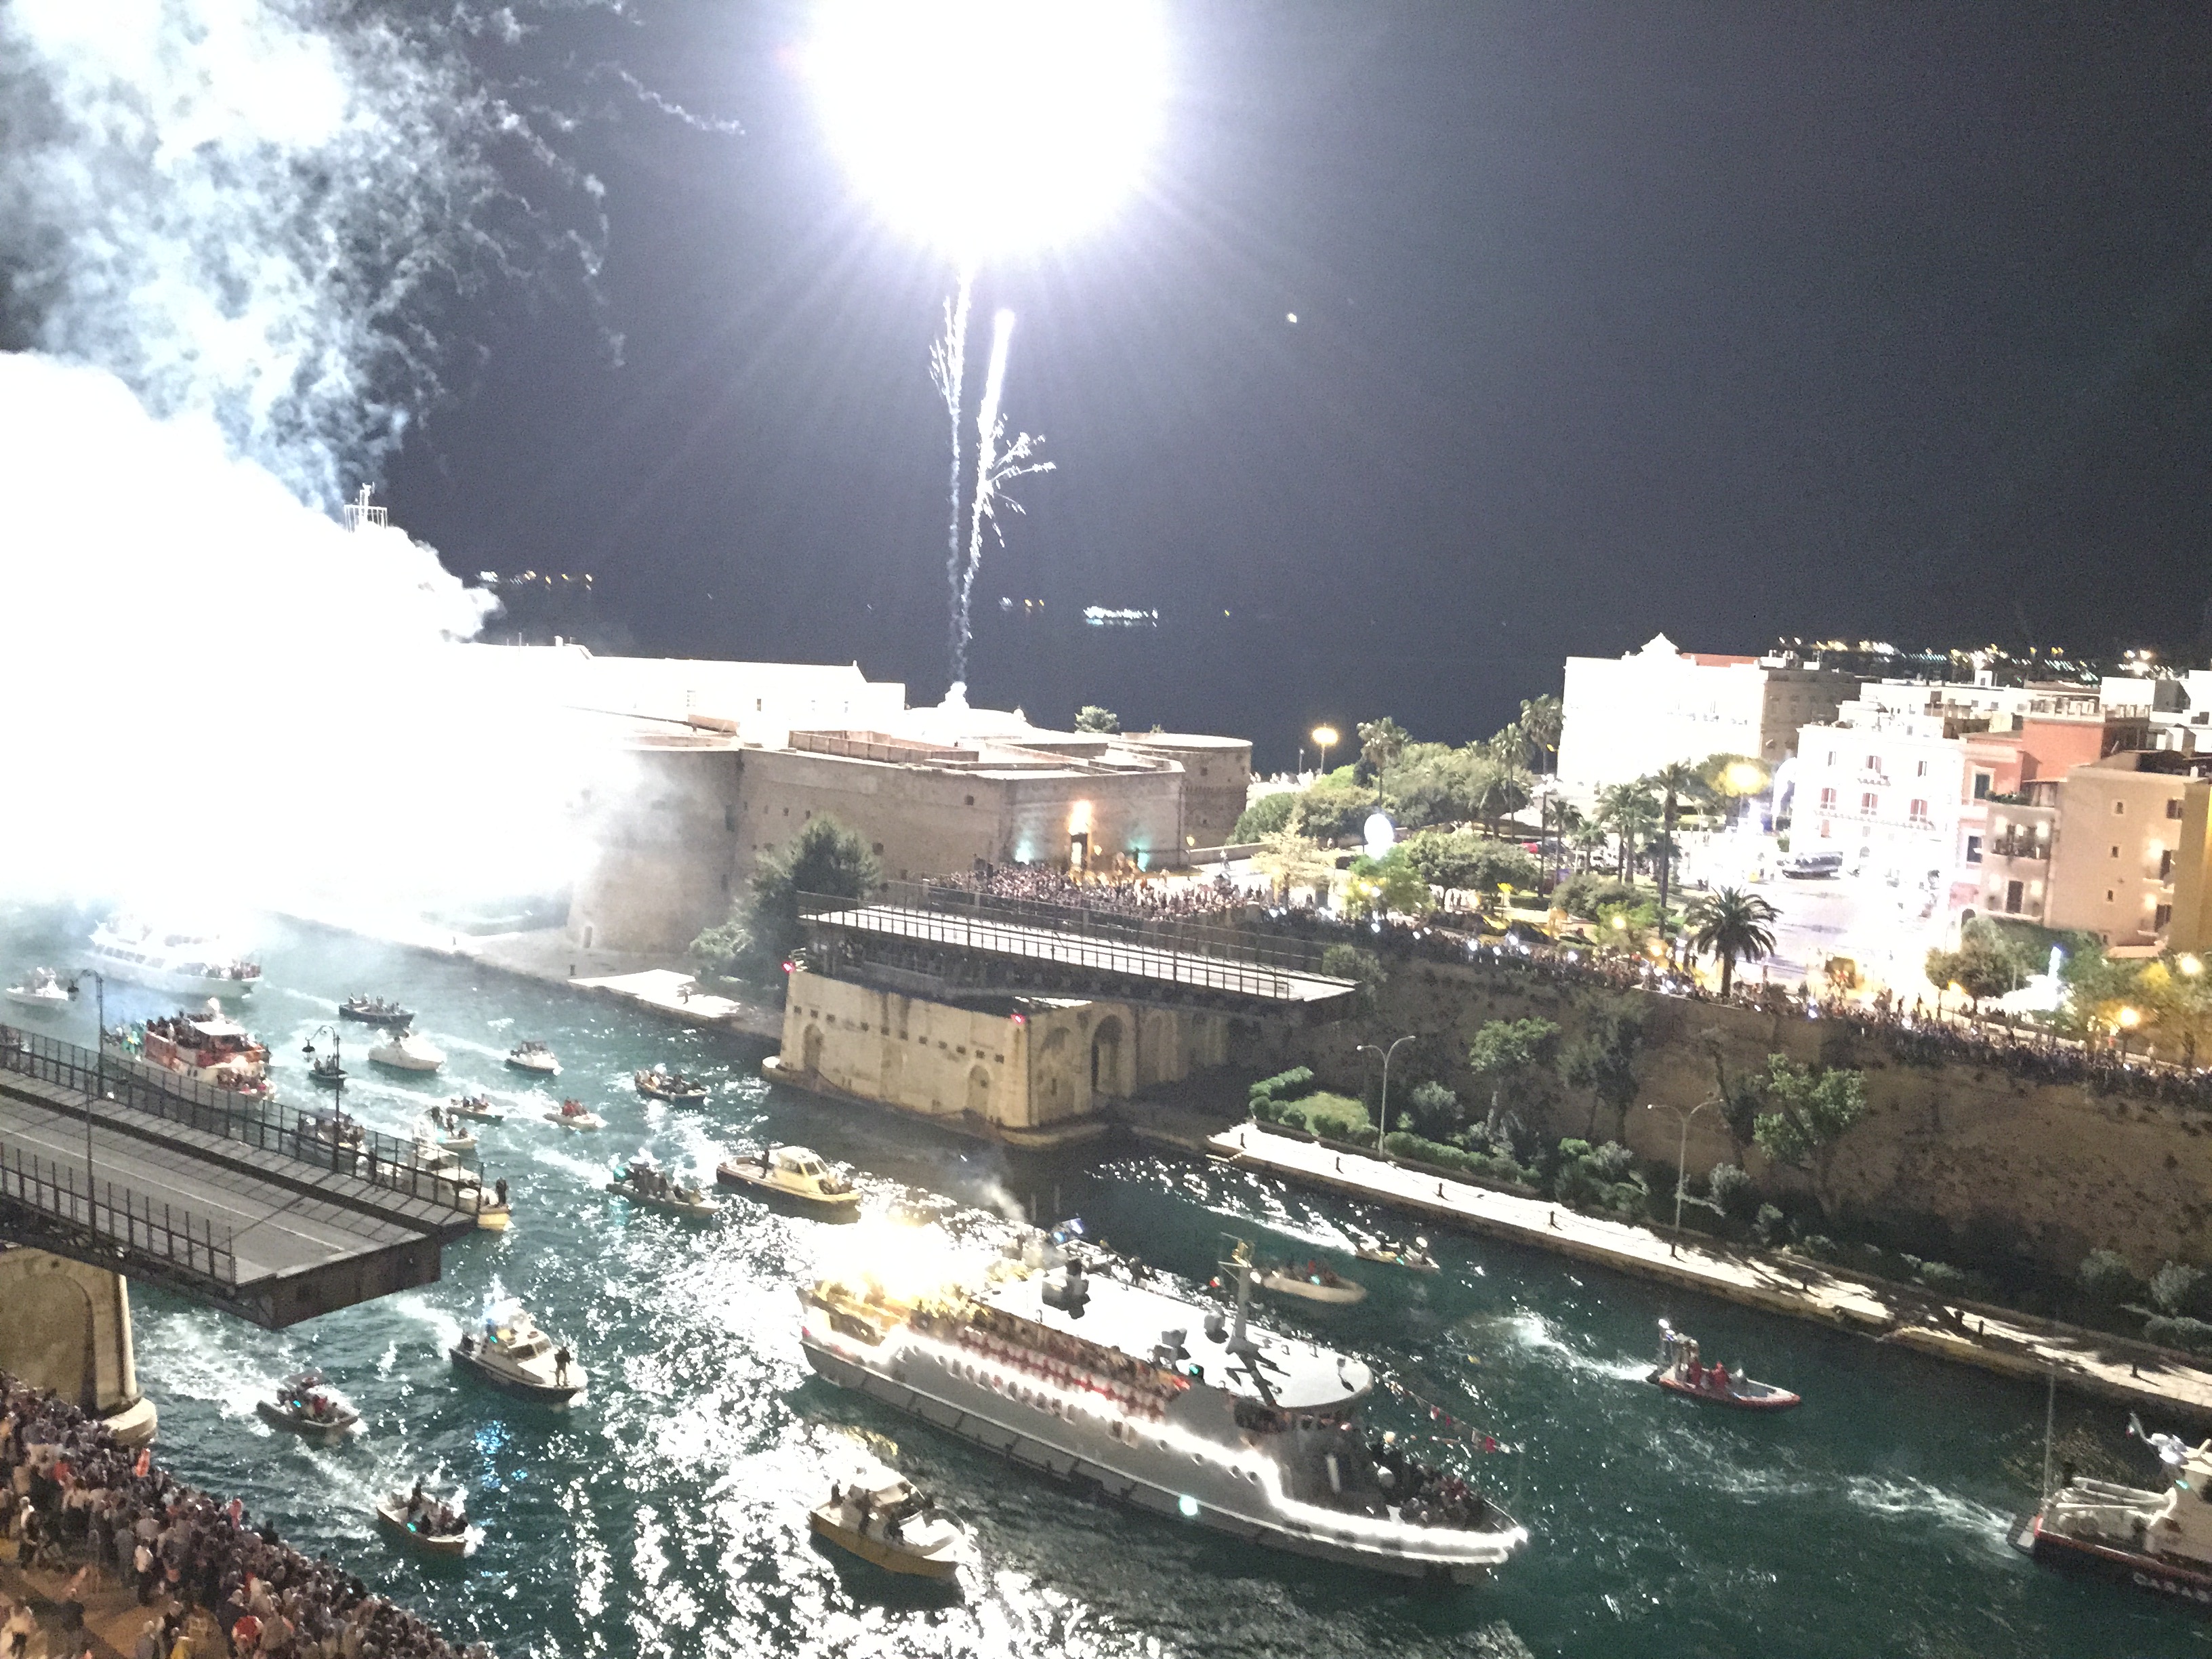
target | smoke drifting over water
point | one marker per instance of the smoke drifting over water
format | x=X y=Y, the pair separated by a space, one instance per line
x=229 y=226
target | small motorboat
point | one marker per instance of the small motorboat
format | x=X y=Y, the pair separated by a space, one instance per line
x=1681 y=1371
x=493 y=1209
x=642 y=1184
x=1415 y=1256
x=332 y=1138
x=572 y=1115
x=1313 y=1282
x=515 y=1356
x=374 y=1011
x=306 y=1405
x=424 y=1523
x=478 y=1107
x=42 y=991
x=658 y=1083
x=403 y=1051
x=795 y=1174
x=882 y=1519
x=534 y=1057
x=444 y=1131
x=325 y=1072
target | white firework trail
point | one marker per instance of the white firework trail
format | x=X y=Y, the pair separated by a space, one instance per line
x=948 y=368
x=998 y=463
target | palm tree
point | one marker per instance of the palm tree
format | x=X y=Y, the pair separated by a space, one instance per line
x=1626 y=810
x=1288 y=859
x=1540 y=724
x=1496 y=782
x=1674 y=783
x=1381 y=743
x=1586 y=839
x=1733 y=925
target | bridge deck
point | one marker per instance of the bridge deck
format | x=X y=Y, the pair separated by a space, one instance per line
x=1127 y=958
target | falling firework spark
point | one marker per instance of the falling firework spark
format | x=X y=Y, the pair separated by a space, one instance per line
x=997 y=464
x=948 y=367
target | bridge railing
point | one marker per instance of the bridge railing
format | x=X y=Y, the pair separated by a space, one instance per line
x=316 y=1138
x=100 y=1212
x=1129 y=957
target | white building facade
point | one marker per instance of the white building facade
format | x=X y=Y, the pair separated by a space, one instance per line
x=1885 y=789
x=1624 y=717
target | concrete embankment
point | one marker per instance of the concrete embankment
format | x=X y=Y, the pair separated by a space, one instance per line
x=2085 y=1362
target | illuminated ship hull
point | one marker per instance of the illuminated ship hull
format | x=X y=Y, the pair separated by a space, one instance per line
x=183 y=965
x=1188 y=1454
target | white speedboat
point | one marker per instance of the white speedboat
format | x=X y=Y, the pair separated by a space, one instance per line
x=1189 y=1412
x=796 y=1176
x=571 y=1115
x=445 y=1133
x=187 y=964
x=882 y=1519
x=1314 y=1282
x=423 y=1524
x=42 y=991
x=403 y=1051
x=305 y=1405
x=533 y=1057
x=512 y=1354
x=642 y=1183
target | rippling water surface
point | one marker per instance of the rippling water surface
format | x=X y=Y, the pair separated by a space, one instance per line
x=666 y=1514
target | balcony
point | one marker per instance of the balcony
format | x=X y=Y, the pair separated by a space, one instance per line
x=2017 y=847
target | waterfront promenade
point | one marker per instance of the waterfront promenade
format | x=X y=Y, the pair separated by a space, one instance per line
x=2084 y=1361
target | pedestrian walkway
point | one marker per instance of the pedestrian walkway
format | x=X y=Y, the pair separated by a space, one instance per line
x=2086 y=1361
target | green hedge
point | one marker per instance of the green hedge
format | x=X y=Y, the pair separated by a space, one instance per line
x=1483 y=1166
x=1294 y=1085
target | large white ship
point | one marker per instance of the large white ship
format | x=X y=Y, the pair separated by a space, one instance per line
x=1185 y=1410
x=188 y=964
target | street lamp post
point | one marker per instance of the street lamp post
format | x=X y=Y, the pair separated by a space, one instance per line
x=1370 y=1048
x=1681 y=1158
x=1325 y=738
x=98 y=1063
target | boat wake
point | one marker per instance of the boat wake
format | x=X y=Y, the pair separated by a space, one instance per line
x=195 y=1360
x=1534 y=1332
x=1908 y=1499
x=425 y=1312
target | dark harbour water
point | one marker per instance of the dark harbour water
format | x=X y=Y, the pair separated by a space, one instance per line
x=665 y=1515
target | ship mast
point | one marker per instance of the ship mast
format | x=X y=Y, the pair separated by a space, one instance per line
x=1240 y=1341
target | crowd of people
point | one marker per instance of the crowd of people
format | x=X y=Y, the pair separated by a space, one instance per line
x=70 y=1497
x=1136 y=897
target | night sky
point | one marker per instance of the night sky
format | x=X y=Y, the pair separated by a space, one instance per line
x=1728 y=320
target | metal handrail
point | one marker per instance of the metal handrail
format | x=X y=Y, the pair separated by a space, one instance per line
x=1177 y=934
x=118 y=1217
x=1131 y=959
x=136 y=1085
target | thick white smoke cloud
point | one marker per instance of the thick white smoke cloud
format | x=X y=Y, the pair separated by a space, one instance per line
x=226 y=226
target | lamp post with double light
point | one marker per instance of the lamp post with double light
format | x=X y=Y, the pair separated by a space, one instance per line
x=1681 y=1158
x=1384 y=1125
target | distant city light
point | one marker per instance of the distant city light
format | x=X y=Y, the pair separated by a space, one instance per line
x=1099 y=615
x=987 y=126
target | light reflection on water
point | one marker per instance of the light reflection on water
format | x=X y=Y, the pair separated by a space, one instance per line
x=666 y=1514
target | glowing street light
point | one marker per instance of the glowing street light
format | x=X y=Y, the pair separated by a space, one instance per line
x=2190 y=966
x=2130 y=1018
x=1325 y=738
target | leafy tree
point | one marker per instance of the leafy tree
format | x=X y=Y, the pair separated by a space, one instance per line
x=1265 y=817
x=1589 y=896
x=1733 y=925
x=1289 y=861
x=1381 y=743
x=2178 y=1289
x=1497 y=784
x=2176 y=991
x=1512 y=1055
x=1601 y=1178
x=824 y=858
x=1434 y=1111
x=1603 y=1060
x=1674 y=783
x=1468 y=862
x=1091 y=718
x=1333 y=810
x=1728 y=1188
x=2097 y=987
x=1810 y=1110
x=1984 y=965
x=1387 y=885
x=2110 y=1277
x=1424 y=785
x=1363 y=968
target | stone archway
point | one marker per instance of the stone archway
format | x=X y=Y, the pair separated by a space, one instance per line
x=1106 y=1044
x=810 y=1051
x=979 y=1094
x=49 y=1338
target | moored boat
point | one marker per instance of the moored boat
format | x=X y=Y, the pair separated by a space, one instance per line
x=534 y=1057
x=642 y=1183
x=403 y=1050
x=881 y=1518
x=1124 y=1386
x=374 y=1011
x=335 y=1138
x=571 y=1115
x=1681 y=1371
x=659 y=1083
x=2157 y=1540
x=1314 y=1282
x=183 y=964
x=796 y=1176
x=423 y=1524
x=515 y=1357
x=305 y=1405
x=41 y=992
